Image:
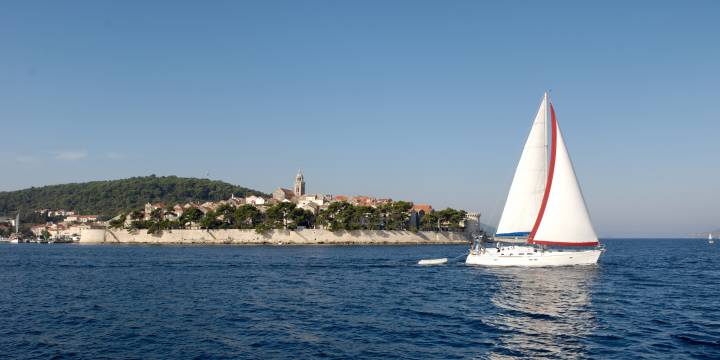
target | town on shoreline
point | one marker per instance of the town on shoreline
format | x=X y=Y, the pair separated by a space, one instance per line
x=285 y=209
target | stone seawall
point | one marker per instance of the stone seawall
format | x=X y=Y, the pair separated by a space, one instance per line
x=285 y=237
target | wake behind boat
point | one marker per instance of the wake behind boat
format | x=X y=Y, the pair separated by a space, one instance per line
x=544 y=207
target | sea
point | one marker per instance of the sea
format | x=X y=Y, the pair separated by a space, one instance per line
x=646 y=299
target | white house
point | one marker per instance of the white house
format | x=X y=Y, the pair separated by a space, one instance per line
x=236 y=201
x=254 y=200
x=309 y=205
x=317 y=199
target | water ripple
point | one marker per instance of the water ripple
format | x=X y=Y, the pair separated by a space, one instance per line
x=646 y=300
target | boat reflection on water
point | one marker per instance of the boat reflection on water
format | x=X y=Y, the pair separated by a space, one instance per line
x=542 y=312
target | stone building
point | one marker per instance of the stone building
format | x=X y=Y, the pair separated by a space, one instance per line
x=282 y=194
x=299 y=184
x=295 y=195
x=472 y=224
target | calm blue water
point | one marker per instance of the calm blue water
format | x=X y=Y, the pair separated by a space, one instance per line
x=647 y=299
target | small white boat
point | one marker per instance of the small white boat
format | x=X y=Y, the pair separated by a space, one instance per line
x=544 y=208
x=710 y=239
x=433 y=261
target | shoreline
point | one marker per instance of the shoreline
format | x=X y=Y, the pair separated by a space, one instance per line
x=273 y=237
x=188 y=244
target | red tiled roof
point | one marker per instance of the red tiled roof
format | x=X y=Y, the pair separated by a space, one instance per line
x=426 y=208
x=363 y=200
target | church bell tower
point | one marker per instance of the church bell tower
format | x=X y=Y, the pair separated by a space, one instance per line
x=299 y=184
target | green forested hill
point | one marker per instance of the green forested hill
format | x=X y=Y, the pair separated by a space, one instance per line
x=113 y=196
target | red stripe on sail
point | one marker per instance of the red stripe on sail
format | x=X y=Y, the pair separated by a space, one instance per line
x=543 y=242
x=531 y=238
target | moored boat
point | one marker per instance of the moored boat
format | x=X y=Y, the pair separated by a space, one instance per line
x=15 y=238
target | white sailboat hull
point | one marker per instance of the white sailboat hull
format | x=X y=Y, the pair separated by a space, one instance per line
x=530 y=256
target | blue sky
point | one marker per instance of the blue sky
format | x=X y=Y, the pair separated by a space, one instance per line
x=424 y=101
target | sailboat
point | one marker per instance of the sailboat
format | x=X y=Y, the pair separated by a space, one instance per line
x=710 y=239
x=545 y=221
x=15 y=238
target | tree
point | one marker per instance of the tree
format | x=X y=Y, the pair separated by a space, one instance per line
x=429 y=222
x=118 y=222
x=396 y=215
x=278 y=215
x=337 y=216
x=137 y=215
x=153 y=227
x=302 y=217
x=262 y=228
x=116 y=196
x=140 y=224
x=191 y=215
x=247 y=216
x=227 y=213
x=156 y=215
x=5 y=231
x=210 y=221
x=450 y=219
x=366 y=217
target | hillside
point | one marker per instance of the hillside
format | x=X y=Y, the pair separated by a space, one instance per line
x=113 y=196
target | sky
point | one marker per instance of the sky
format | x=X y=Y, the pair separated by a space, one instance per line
x=426 y=101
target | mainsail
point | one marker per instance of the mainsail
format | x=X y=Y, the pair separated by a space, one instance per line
x=563 y=218
x=528 y=186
